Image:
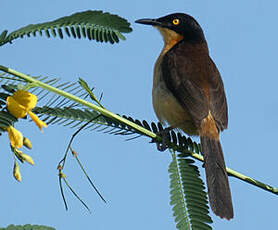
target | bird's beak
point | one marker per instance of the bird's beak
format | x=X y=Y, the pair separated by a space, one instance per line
x=148 y=21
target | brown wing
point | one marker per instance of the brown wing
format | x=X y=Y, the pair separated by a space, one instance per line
x=218 y=102
x=194 y=80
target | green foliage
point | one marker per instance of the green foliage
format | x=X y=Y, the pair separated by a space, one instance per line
x=85 y=86
x=94 y=25
x=75 y=118
x=187 y=195
x=177 y=197
x=6 y=119
x=188 y=198
x=27 y=227
x=63 y=111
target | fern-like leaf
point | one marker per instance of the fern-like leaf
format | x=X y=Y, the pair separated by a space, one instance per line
x=62 y=111
x=188 y=198
x=27 y=227
x=94 y=25
x=75 y=118
x=6 y=120
x=177 y=197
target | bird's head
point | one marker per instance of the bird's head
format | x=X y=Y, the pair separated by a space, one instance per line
x=177 y=26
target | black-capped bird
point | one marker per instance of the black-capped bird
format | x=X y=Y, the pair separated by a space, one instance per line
x=188 y=94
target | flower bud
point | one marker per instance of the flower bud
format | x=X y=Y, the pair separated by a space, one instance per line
x=16 y=172
x=16 y=137
x=27 y=143
x=27 y=158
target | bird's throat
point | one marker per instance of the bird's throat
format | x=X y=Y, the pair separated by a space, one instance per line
x=170 y=37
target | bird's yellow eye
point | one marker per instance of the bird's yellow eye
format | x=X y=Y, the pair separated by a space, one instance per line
x=176 y=21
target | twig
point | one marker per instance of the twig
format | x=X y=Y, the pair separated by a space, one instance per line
x=134 y=126
x=242 y=177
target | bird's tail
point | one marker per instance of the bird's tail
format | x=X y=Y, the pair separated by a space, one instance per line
x=217 y=179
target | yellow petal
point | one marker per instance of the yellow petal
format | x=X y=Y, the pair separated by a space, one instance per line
x=16 y=172
x=26 y=99
x=16 y=137
x=15 y=108
x=37 y=120
x=27 y=143
x=20 y=103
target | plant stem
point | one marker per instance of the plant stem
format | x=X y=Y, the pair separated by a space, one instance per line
x=243 y=177
x=103 y=111
x=142 y=130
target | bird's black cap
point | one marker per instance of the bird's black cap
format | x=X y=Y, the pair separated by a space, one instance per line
x=182 y=24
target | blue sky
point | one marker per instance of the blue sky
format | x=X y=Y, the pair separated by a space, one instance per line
x=132 y=176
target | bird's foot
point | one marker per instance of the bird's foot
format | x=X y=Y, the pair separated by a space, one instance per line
x=165 y=136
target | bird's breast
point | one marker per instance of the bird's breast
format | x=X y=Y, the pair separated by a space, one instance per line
x=167 y=108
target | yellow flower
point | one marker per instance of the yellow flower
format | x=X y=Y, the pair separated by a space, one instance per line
x=16 y=137
x=16 y=171
x=21 y=103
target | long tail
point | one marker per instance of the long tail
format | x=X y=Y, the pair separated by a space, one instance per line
x=217 y=179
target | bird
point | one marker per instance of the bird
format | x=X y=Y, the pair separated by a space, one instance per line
x=188 y=94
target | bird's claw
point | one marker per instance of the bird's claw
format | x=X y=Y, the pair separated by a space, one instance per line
x=165 y=136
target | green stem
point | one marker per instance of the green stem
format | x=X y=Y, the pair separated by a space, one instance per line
x=89 y=179
x=142 y=130
x=76 y=195
x=243 y=177
x=103 y=111
x=252 y=181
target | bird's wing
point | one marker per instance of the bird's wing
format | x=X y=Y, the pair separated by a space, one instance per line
x=196 y=84
x=218 y=102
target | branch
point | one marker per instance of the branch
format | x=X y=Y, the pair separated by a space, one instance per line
x=243 y=177
x=140 y=129
x=105 y=112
